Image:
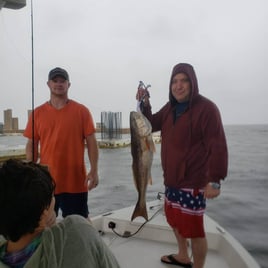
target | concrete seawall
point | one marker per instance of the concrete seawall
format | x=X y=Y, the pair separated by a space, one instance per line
x=103 y=144
x=12 y=153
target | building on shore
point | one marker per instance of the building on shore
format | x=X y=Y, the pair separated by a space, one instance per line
x=8 y=119
x=11 y=124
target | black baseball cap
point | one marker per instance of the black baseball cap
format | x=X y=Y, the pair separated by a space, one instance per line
x=58 y=72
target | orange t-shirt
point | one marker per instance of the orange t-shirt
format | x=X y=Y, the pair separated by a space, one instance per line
x=61 y=135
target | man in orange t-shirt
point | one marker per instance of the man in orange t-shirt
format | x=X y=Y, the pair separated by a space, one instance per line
x=60 y=128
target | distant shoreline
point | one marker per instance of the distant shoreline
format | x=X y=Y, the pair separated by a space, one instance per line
x=122 y=130
x=20 y=131
x=102 y=144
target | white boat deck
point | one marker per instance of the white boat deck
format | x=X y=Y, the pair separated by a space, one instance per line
x=155 y=239
x=137 y=252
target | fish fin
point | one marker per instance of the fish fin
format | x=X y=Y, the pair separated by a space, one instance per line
x=140 y=211
x=135 y=183
x=147 y=143
x=150 y=181
x=151 y=146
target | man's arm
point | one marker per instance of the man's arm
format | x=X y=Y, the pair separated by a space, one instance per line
x=31 y=149
x=93 y=156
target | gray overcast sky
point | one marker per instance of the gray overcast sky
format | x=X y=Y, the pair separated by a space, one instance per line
x=109 y=46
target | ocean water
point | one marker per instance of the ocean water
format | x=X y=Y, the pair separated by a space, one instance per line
x=241 y=208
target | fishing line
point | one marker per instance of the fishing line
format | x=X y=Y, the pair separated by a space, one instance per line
x=159 y=197
x=127 y=234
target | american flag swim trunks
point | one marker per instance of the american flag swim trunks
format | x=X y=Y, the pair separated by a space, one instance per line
x=184 y=210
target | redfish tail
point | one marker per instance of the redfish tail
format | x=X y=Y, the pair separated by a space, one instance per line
x=140 y=211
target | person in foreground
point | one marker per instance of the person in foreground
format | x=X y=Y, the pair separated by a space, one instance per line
x=194 y=160
x=32 y=239
x=62 y=127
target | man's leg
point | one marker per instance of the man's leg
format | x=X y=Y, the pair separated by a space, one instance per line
x=57 y=203
x=199 y=250
x=182 y=255
x=74 y=203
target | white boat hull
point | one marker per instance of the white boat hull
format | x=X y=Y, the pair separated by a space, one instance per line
x=156 y=238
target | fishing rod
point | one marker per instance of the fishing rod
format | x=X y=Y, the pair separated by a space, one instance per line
x=32 y=73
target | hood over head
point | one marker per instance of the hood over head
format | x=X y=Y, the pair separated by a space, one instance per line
x=189 y=71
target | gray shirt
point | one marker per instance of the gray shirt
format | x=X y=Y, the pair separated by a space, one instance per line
x=73 y=242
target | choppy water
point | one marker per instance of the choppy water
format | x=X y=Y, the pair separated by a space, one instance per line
x=241 y=208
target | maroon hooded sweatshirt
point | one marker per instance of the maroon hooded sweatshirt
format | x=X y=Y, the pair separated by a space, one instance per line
x=193 y=146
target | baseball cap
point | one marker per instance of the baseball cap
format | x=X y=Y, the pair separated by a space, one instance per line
x=58 y=72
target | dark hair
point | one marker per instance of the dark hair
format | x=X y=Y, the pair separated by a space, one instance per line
x=26 y=189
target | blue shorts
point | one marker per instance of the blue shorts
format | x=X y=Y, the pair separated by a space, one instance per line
x=72 y=203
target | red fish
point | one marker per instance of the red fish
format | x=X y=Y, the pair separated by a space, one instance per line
x=142 y=149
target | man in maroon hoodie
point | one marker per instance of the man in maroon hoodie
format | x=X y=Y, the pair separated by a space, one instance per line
x=194 y=160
